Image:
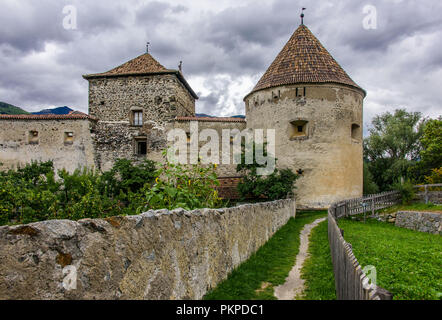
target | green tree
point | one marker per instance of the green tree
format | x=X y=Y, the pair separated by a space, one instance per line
x=369 y=186
x=431 y=152
x=393 y=146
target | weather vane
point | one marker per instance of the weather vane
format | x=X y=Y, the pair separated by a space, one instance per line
x=302 y=15
x=147 y=47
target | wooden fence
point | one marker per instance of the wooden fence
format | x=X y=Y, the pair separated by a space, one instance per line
x=350 y=280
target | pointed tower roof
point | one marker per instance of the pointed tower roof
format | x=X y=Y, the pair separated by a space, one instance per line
x=144 y=64
x=304 y=60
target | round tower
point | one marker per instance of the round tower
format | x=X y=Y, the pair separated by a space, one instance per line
x=316 y=110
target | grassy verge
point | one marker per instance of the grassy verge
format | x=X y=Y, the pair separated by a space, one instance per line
x=318 y=268
x=407 y=262
x=268 y=267
x=413 y=207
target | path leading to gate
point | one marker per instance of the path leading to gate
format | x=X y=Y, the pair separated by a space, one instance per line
x=294 y=285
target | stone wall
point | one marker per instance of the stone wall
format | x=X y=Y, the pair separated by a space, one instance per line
x=18 y=146
x=433 y=196
x=430 y=222
x=161 y=98
x=223 y=170
x=329 y=152
x=156 y=255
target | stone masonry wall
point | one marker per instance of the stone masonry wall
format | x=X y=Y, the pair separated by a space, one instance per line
x=156 y=255
x=161 y=98
x=223 y=170
x=430 y=222
x=18 y=149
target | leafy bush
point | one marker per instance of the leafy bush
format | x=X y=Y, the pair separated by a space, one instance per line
x=178 y=186
x=406 y=190
x=33 y=193
x=277 y=185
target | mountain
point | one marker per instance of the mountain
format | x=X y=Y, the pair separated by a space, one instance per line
x=59 y=110
x=203 y=115
x=6 y=108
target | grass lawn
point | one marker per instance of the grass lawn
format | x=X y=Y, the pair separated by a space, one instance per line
x=408 y=263
x=413 y=207
x=268 y=267
x=318 y=268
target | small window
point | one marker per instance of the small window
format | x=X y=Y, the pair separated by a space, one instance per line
x=356 y=132
x=141 y=147
x=137 y=118
x=300 y=92
x=188 y=137
x=33 y=137
x=68 y=137
x=299 y=128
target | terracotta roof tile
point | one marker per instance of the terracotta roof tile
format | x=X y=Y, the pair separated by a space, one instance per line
x=140 y=65
x=303 y=60
x=209 y=119
x=73 y=115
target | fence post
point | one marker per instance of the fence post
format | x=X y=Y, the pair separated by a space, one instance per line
x=426 y=194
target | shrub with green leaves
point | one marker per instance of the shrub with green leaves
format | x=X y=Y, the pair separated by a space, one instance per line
x=406 y=190
x=278 y=185
x=33 y=193
x=181 y=186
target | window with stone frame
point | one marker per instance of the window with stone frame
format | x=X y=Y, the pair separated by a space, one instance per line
x=141 y=146
x=137 y=118
x=298 y=129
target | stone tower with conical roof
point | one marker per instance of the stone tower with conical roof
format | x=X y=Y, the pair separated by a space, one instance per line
x=316 y=109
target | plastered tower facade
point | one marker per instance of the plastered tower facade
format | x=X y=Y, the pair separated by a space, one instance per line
x=316 y=110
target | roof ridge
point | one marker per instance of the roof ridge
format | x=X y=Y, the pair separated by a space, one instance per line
x=144 y=63
x=78 y=115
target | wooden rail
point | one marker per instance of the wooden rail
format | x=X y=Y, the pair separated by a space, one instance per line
x=350 y=280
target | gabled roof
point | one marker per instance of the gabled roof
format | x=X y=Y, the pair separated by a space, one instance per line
x=140 y=65
x=144 y=64
x=304 y=60
x=73 y=115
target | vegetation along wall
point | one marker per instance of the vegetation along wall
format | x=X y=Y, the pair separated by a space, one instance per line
x=156 y=255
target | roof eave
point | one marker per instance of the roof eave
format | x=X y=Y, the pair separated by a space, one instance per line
x=312 y=83
x=174 y=72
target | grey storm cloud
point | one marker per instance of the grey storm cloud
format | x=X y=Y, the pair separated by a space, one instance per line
x=41 y=63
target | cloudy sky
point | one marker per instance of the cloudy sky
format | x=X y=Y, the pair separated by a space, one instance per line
x=225 y=46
